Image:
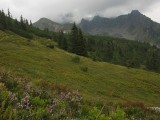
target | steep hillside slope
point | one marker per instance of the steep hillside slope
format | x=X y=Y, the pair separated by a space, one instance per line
x=133 y=26
x=103 y=81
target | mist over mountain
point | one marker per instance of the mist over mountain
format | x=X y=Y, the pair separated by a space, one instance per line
x=44 y=23
x=133 y=26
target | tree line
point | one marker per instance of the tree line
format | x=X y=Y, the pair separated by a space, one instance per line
x=23 y=27
x=76 y=42
x=124 y=52
x=119 y=51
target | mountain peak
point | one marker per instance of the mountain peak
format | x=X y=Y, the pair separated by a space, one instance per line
x=133 y=26
x=97 y=17
x=135 y=12
x=46 y=20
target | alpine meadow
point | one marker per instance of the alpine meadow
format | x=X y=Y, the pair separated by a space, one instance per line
x=98 y=61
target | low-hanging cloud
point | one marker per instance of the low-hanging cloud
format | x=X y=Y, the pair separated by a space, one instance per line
x=75 y=10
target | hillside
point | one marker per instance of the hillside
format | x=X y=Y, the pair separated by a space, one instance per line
x=102 y=82
x=133 y=26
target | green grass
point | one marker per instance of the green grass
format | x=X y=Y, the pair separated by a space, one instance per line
x=102 y=82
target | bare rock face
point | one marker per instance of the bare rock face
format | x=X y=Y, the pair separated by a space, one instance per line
x=133 y=26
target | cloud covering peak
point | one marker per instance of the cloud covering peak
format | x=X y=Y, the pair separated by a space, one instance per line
x=75 y=10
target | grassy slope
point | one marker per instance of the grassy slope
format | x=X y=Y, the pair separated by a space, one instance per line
x=103 y=81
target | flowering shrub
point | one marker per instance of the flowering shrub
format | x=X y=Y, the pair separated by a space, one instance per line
x=25 y=103
x=8 y=81
x=47 y=101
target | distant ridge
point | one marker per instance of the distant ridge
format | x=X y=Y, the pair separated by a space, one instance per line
x=44 y=23
x=133 y=26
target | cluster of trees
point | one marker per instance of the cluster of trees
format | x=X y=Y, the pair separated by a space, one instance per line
x=76 y=43
x=108 y=49
x=62 y=41
x=124 y=52
x=23 y=27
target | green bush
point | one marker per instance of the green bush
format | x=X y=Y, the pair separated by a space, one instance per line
x=50 y=46
x=84 y=69
x=96 y=114
x=9 y=82
x=119 y=114
x=76 y=59
x=135 y=112
x=22 y=33
x=42 y=114
x=3 y=87
x=36 y=101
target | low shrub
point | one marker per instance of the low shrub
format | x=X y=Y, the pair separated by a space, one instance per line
x=9 y=82
x=84 y=69
x=3 y=87
x=96 y=114
x=119 y=114
x=38 y=102
x=75 y=59
x=51 y=46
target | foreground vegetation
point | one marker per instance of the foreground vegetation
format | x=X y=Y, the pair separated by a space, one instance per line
x=23 y=99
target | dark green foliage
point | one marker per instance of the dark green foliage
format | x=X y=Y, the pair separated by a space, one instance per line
x=76 y=59
x=22 y=28
x=123 y=52
x=8 y=81
x=22 y=33
x=23 y=23
x=73 y=39
x=3 y=24
x=137 y=112
x=77 y=42
x=153 y=59
x=62 y=42
x=84 y=69
x=37 y=101
x=81 y=44
x=50 y=46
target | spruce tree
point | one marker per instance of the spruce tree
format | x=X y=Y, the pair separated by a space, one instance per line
x=30 y=23
x=77 y=42
x=153 y=62
x=81 y=44
x=62 y=42
x=9 y=20
x=23 y=25
x=3 y=24
x=73 y=39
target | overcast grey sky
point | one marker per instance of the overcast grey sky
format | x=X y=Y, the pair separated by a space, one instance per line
x=74 y=10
